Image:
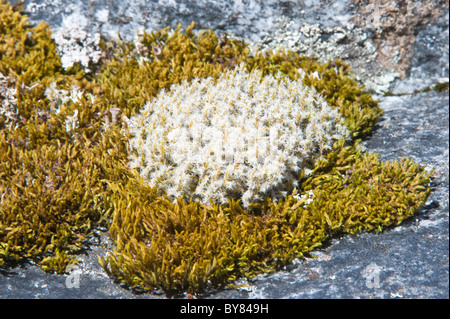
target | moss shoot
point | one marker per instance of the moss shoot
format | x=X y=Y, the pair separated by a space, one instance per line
x=64 y=164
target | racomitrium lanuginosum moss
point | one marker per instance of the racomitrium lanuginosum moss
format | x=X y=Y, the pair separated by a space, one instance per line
x=64 y=164
x=241 y=136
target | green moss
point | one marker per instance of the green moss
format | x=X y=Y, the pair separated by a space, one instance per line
x=28 y=54
x=50 y=178
x=190 y=247
x=57 y=185
x=438 y=87
x=441 y=87
x=136 y=74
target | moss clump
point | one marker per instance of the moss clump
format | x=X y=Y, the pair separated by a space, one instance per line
x=333 y=80
x=50 y=178
x=59 y=181
x=441 y=87
x=28 y=54
x=242 y=135
x=136 y=73
x=189 y=246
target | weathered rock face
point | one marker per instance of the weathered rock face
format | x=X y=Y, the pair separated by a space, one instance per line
x=394 y=24
x=401 y=47
x=375 y=37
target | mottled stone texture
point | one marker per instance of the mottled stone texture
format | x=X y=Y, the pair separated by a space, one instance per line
x=407 y=261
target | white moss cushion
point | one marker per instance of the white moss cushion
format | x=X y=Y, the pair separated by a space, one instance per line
x=242 y=136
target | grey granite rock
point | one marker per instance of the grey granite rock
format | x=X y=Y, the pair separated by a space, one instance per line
x=407 y=261
x=410 y=260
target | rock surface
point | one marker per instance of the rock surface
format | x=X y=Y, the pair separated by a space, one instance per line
x=407 y=261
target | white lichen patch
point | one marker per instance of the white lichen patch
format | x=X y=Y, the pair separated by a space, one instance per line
x=348 y=42
x=8 y=102
x=242 y=136
x=71 y=122
x=326 y=43
x=76 y=43
x=308 y=198
x=60 y=97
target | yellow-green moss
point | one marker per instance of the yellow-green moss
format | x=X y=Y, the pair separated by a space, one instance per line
x=50 y=179
x=441 y=87
x=190 y=246
x=28 y=54
x=57 y=185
